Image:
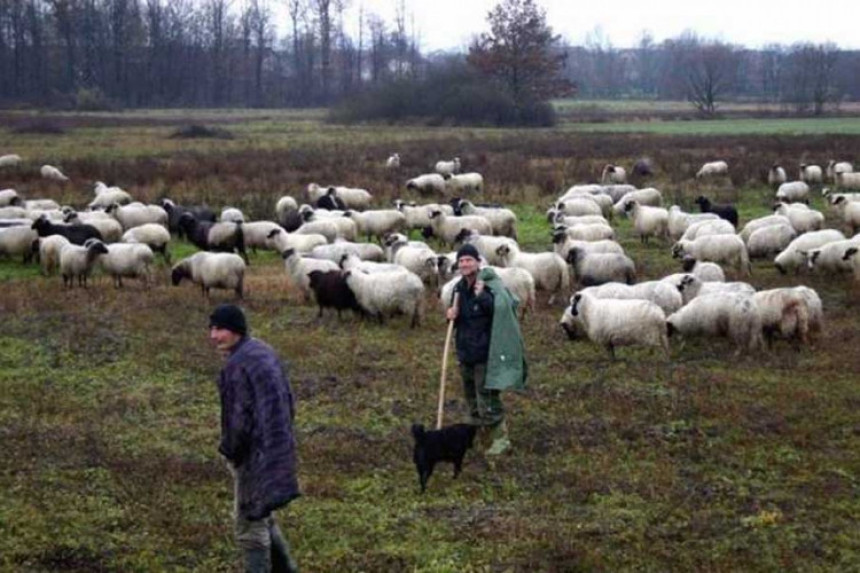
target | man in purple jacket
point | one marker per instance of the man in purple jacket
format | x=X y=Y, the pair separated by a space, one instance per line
x=256 y=438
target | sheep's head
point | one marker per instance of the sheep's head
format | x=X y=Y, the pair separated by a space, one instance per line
x=558 y=237
x=273 y=233
x=702 y=201
x=688 y=263
x=849 y=252
x=811 y=257
x=70 y=216
x=167 y=204
x=503 y=250
x=630 y=205
x=16 y=201
x=780 y=268
x=463 y=235
x=178 y=273
x=287 y=253
x=435 y=213
x=96 y=247
x=677 y=250
x=670 y=328
x=575 y=302
x=686 y=281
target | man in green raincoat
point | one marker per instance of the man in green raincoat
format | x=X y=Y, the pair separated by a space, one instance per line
x=489 y=345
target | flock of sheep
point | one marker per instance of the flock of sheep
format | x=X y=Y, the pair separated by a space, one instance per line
x=390 y=273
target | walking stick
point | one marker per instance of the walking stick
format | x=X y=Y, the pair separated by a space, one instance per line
x=440 y=409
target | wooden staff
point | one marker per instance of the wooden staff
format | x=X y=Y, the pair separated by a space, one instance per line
x=441 y=408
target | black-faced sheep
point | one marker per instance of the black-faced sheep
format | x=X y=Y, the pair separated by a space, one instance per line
x=727 y=212
x=211 y=270
x=219 y=237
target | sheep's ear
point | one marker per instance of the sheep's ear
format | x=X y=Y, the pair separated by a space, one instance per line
x=850 y=252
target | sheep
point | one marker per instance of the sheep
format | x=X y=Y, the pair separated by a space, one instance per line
x=54 y=215
x=648 y=221
x=562 y=244
x=503 y=221
x=832 y=197
x=768 y=241
x=18 y=240
x=487 y=245
x=420 y=260
x=577 y=206
x=614 y=322
x=9 y=197
x=256 y=234
x=613 y=174
x=298 y=268
x=594 y=193
x=331 y=291
x=175 y=212
x=393 y=162
x=828 y=258
x=464 y=183
x=833 y=169
x=793 y=192
x=447 y=168
x=761 y=222
x=220 y=237
x=703 y=270
x=776 y=176
x=131 y=260
x=76 y=234
x=708 y=227
x=394 y=241
x=590 y=232
x=231 y=215
x=616 y=192
x=280 y=240
x=352 y=262
x=713 y=169
x=679 y=221
x=784 y=314
x=597 y=268
x=106 y=196
x=727 y=212
x=378 y=223
x=724 y=249
x=315 y=192
x=385 y=294
x=211 y=270
x=137 y=214
x=154 y=236
x=731 y=315
x=77 y=261
x=561 y=219
x=848 y=181
x=801 y=217
x=353 y=198
x=10 y=160
x=691 y=287
x=13 y=213
x=643 y=167
x=664 y=295
x=648 y=196
x=850 y=211
x=321 y=226
x=518 y=281
x=418 y=216
x=793 y=257
x=49 y=252
x=334 y=251
x=427 y=183
x=549 y=270
x=109 y=228
x=51 y=172
x=285 y=203
x=330 y=201
x=447 y=228
x=810 y=174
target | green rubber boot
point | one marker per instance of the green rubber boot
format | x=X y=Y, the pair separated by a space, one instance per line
x=501 y=443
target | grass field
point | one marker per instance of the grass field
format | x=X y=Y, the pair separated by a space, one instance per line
x=109 y=412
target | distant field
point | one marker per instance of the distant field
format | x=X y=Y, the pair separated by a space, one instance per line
x=800 y=126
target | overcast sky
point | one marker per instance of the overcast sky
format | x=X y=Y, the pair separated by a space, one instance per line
x=449 y=24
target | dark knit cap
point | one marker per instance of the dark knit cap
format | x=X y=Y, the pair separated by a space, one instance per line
x=468 y=250
x=229 y=316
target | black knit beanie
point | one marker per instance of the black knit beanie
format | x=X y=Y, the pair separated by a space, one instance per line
x=229 y=316
x=468 y=250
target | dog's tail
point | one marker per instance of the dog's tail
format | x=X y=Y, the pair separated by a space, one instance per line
x=418 y=432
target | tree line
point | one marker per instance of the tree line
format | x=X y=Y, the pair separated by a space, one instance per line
x=97 y=54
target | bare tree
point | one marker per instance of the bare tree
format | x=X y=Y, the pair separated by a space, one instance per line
x=812 y=78
x=711 y=73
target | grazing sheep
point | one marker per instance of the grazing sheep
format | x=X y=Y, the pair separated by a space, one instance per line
x=577 y=206
x=801 y=217
x=592 y=269
x=418 y=216
x=77 y=261
x=588 y=232
x=810 y=174
x=130 y=260
x=211 y=270
x=336 y=250
x=429 y=183
x=10 y=160
x=776 y=176
x=256 y=234
x=793 y=192
x=219 y=237
x=285 y=203
x=613 y=175
x=331 y=291
x=175 y=212
x=784 y=314
x=330 y=201
x=106 y=196
x=447 y=228
x=49 y=252
x=464 y=184
x=321 y=226
x=560 y=219
x=298 y=268
x=487 y=245
x=761 y=222
x=109 y=228
x=136 y=214
x=661 y=293
x=850 y=211
x=154 y=236
x=834 y=169
x=832 y=197
x=51 y=172
x=730 y=315
x=503 y=221
x=615 y=322
x=713 y=169
x=848 y=181
x=352 y=262
x=9 y=197
x=724 y=249
x=794 y=255
x=691 y=287
x=393 y=162
x=280 y=240
x=703 y=270
x=648 y=221
x=549 y=270
x=829 y=258
x=385 y=294
x=18 y=240
x=616 y=192
x=378 y=223
x=562 y=244
x=421 y=260
x=679 y=221
x=232 y=215
x=769 y=241
x=727 y=212
x=76 y=234
x=648 y=196
x=593 y=193
x=447 y=168
x=354 y=198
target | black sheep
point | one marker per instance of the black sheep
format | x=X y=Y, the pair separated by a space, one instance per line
x=331 y=201
x=727 y=212
x=216 y=237
x=448 y=444
x=331 y=291
x=175 y=212
x=76 y=234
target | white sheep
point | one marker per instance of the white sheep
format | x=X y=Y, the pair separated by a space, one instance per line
x=616 y=192
x=730 y=315
x=849 y=211
x=325 y=227
x=393 y=161
x=613 y=174
x=418 y=216
x=487 y=245
x=106 y=196
x=503 y=221
x=298 y=268
x=385 y=294
x=315 y=192
x=594 y=193
x=702 y=270
x=829 y=258
x=153 y=235
x=231 y=215
x=428 y=183
x=51 y=172
x=848 y=181
x=724 y=249
x=279 y=240
x=802 y=218
x=352 y=262
x=353 y=198
x=691 y=287
x=648 y=196
x=852 y=257
x=614 y=322
x=578 y=206
x=834 y=169
x=378 y=223
x=599 y=268
x=648 y=221
x=810 y=174
x=705 y=227
x=137 y=214
x=770 y=240
x=562 y=244
x=776 y=176
x=422 y=261
x=77 y=261
x=17 y=241
x=284 y=204
x=464 y=184
x=661 y=293
x=679 y=221
x=335 y=251
x=211 y=270
x=794 y=255
x=793 y=192
x=713 y=169
x=9 y=197
x=130 y=260
x=447 y=228
x=13 y=213
x=10 y=160
x=784 y=314
x=588 y=232
x=346 y=227
x=49 y=252
x=756 y=224
x=256 y=234
x=549 y=270
x=447 y=168
x=561 y=219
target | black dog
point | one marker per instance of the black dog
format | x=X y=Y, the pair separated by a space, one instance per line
x=446 y=445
